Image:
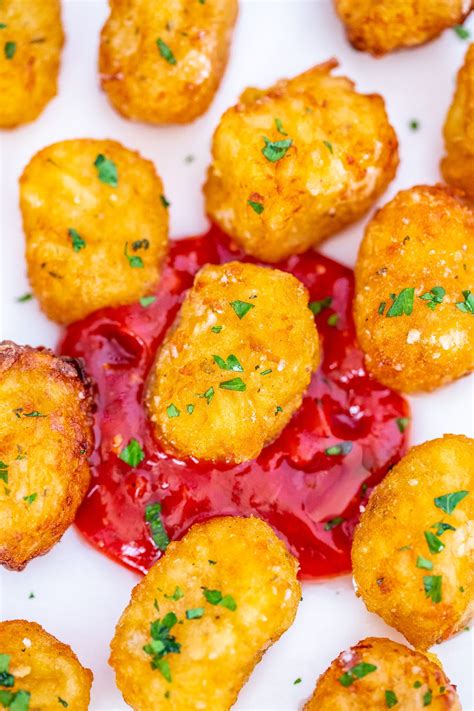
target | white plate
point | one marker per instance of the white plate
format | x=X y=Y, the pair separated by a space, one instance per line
x=79 y=594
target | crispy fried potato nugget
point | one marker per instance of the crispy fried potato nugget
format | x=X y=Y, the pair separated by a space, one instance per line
x=234 y=369
x=457 y=166
x=381 y=26
x=205 y=614
x=413 y=550
x=41 y=669
x=297 y=162
x=414 y=301
x=45 y=439
x=163 y=62
x=102 y=239
x=31 y=39
x=377 y=674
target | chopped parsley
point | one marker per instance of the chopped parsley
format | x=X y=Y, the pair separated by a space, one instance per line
x=34 y=413
x=402 y=304
x=414 y=124
x=462 y=32
x=236 y=384
x=424 y=563
x=190 y=408
x=30 y=498
x=3 y=26
x=208 y=395
x=165 y=51
x=215 y=597
x=297 y=681
x=164 y=201
x=341 y=448
x=23 y=298
x=106 y=170
x=132 y=454
x=15 y=701
x=275 y=150
x=134 y=260
x=278 y=409
x=333 y=522
x=466 y=306
x=6 y=679
x=195 y=614
x=434 y=543
x=434 y=297
x=427 y=698
x=356 y=672
x=162 y=643
x=328 y=146
x=257 y=207
x=381 y=307
x=317 y=306
x=177 y=595
x=241 y=308
x=146 y=301
x=77 y=242
x=4 y=472
x=432 y=585
x=390 y=699
x=402 y=423
x=448 y=502
x=63 y=702
x=9 y=49
x=157 y=529
x=333 y=319
x=441 y=527
x=279 y=127
x=216 y=329
x=417 y=684
x=266 y=372
x=172 y=411
x=232 y=363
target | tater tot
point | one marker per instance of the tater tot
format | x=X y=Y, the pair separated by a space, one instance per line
x=234 y=368
x=203 y=616
x=45 y=440
x=377 y=674
x=31 y=39
x=413 y=550
x=386 y=25
x=295 y=163
x=457 y=166
x=38 y=672
x=163 y=62
x=101 y=240
x=414 y=302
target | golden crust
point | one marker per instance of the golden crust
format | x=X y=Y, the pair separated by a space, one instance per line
x=45 y=440
x=457 y=166
x=241 y=558
x=342 y=157
x=45 y=667
x=422 y=239
x=30 y=55
x=144 y=85
x=276 y=347
x=383 y=26
x=391 y=537
x=398 y=670
x=73 y=280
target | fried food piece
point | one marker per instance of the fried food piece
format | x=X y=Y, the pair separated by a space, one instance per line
x=381 y=26
x=39 y=669
x=102 y=239
x=163 y=62
x=234 y=368
x=414 y=303
x=45 y=440
x=377 y=674
x=203 y=616
x=31 y=39
x=457 y=166
x=413 y=550
x=297 y=162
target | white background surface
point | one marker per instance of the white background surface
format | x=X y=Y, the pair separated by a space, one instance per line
x=79 y=594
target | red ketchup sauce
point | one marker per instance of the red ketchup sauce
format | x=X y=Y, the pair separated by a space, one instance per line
x=311 y=498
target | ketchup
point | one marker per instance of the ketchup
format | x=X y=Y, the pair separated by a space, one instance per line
x=310 y=484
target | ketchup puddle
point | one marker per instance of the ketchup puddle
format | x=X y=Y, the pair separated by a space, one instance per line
x=311 y=498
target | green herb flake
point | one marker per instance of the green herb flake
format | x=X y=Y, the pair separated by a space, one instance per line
x=132 y=454
x=23 y=298
x=4 y=664
x=440 y=527
x=232 y=363
x=236 y=384
x=190 y=408
x=172 y=411
x=177 y=595
x=390 y=699
x=427 y=698
x=215 y=597
x=165 y=51
x=381 y=308
x=164 y=201
x=77 y=242
x=278 y=409
x=195 y=613
x=229 y=603
x=106 y=170
x=257 y=207
x=63 y=702
x=414 y=124
x=276 y=150
x=356 y=672
x=157 y=529
x=20 y=701
x=333 y=320
x=279 y=127
x=434 y=297
x=433 y=587
x=30 y=498
x=33 y=413
x=4 y=472
x=333 y=522
x=417 y=684
x=9 y=49
x=208 y=395
x=216 y=329
x=402 y=423
x=466 y=306
x=31 y=596
x=162 y=643
x=341 y=448
x=402 y=304
x=434 y=543
x=146 y=301
x=328 y=146
x=424 y=563
x=297 y=681
x=134 y=260
x=266 y=372
x=317 y=306
x=3 y=26
x=448 y=502
x=241 y=308
x=462 y=32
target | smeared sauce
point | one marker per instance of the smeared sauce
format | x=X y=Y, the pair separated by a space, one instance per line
x=311 y=498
